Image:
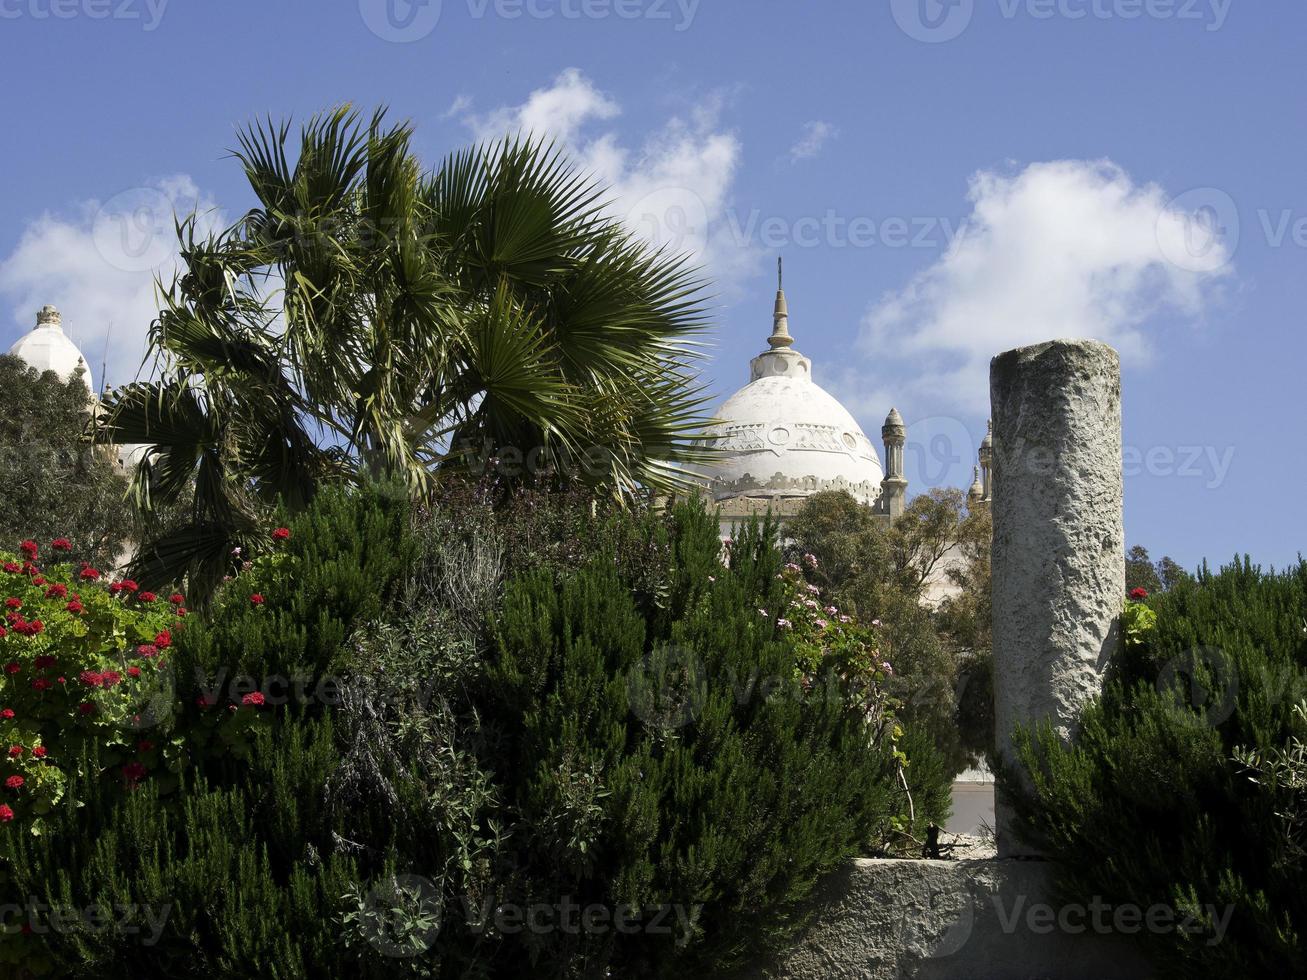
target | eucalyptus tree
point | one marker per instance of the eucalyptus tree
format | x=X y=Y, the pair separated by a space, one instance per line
x=370 y=318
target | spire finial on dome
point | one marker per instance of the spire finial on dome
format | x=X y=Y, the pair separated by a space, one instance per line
x=780 y=333
x=48 y=316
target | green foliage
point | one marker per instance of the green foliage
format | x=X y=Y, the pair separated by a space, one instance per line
x=56 y=483
x=941 y=656
x=340 y=566
x=224 y=882
x=551 y=702
x=1183 y=786
x=1141 y=572
x=488 y=314
x=1138 y=622
x=688 y=755
x=83 y=664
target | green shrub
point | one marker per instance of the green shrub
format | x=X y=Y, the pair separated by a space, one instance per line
x=681 y=751
x=56 y=483
x=287 y=613
x=223 y=882
x=1180 y=788
x=83 y=662
x=540 y=702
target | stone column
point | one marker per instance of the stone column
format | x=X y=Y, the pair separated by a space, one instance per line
x=1059 y=544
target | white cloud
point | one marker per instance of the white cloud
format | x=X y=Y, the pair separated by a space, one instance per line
x=98 y=264
x=1062 y=249
x=460 y=105
x=558 y=111
x=672 y=187
x=812 y=140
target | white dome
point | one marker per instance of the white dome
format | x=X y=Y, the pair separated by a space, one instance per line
x=47 y=348
x=784 y=436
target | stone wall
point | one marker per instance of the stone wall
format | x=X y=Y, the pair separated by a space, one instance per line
x=955 y=920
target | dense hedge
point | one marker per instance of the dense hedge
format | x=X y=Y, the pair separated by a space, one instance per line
x=537 y=703
x=1186 y=785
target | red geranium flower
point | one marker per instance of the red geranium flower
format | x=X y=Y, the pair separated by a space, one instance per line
x=3 y=632
x=163 y=639
x=15 y=751
x=281 y=534
x=6 y=813
x=61 y=544
x=15 y=782
x=90 y=678
x=75 y=607
x=12 y=603
x=57 y=591
x=39 y=580
x=115 y=588
x=134 y=772
x=13 y=667
x=29 y=549
x=7 y=713
x=39 y=751
x=12 y=567
x=90 y=574
x=257 y=599
x=147 y=650
x=177 y=599
x=147 y=597
x=1139 y=595
x=85 y=708
x=110 y=678
x=255 y=698
x=41 y=684
x=44 y=661
x=130 y=585
x=133 y=671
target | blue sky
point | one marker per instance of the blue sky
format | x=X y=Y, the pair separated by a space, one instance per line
x=944 y=181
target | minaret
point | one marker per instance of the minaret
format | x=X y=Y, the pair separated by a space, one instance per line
x=986 y=462
x=894 y=488
x=976 y=495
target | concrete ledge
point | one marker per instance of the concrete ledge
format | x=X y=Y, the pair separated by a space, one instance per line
x=953 y=920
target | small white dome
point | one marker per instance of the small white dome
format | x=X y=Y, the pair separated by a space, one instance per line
x=47 y=348
x=782 y=435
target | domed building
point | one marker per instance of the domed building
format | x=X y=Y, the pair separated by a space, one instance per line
x=48 y=348
x=782 y=438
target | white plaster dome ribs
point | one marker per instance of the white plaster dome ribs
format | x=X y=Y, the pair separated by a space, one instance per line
x=782 y=435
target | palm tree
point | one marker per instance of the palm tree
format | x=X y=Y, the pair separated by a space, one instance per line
x=367 y=318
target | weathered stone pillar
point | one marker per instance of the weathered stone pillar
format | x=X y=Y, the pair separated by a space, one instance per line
x=1058 y=559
